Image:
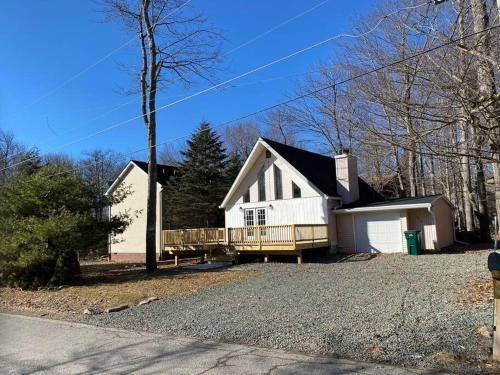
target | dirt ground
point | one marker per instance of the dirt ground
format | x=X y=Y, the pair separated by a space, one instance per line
x=105 y=284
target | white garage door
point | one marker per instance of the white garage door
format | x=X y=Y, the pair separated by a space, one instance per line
x=378 y=232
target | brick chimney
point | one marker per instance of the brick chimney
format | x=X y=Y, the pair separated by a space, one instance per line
x=346 y=170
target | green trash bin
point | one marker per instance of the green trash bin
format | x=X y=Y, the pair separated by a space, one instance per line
x=413 y=241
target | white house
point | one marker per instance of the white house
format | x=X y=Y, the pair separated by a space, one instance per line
x=283 y=185
x=131 y=244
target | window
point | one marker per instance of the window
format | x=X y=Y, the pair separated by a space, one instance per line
x=249 y=218
x=246 y=196
x=262 y=185
x=249 y=222
x=261 y=216
x=278 y=186
x=296 y=190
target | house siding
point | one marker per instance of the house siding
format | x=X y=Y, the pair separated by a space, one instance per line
x=130 y=244
x=421 y=219
x=311 y=208
x=443 y=215
x=345 y=233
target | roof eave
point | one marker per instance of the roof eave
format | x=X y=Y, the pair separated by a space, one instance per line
x=383 y=208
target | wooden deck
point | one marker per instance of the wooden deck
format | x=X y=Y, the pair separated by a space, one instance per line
x=266 y=239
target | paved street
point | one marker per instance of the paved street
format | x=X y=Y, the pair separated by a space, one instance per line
x=34 y=345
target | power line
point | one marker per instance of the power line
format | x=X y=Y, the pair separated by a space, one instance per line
x=221 y=84
x=100 y=60
x=309 y=93
x=238 y=47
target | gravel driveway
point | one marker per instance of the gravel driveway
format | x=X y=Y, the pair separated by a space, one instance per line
x=392 y=308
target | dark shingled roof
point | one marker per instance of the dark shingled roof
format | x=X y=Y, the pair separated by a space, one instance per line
x=164 y=172
x=318 y=169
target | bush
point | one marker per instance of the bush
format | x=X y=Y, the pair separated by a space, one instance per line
x=34 y=269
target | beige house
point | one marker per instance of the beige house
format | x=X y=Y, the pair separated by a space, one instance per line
x=131 y=244
x=283 y=185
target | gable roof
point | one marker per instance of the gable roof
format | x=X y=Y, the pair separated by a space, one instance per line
x=164 y=172
x=318 y=169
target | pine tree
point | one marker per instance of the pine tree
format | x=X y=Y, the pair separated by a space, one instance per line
x=194 y=195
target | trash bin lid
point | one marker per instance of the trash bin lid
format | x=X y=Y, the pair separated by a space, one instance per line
x=412 y=231
x=494 y=261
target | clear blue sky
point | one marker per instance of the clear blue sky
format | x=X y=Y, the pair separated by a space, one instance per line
x=45 y=42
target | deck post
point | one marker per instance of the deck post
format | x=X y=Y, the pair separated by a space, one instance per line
x=294 y=237
x=266 y=258
x=299 y=257
x=176 y=260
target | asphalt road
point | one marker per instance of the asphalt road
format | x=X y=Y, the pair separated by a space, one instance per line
x=33 y=345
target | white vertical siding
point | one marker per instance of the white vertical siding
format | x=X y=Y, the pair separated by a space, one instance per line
x=312 y=210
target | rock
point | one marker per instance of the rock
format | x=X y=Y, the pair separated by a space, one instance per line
x=116 y=308
x=483 y=331
x=60 y=287
x=146 y=301
x=90 y=311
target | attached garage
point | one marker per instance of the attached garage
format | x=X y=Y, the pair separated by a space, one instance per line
x=380 y=227
x=378 y=232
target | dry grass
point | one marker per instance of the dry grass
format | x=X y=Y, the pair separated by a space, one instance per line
x=478 y=292
x=106 y=284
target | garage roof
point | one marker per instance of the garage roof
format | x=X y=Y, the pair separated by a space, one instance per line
x=397 y=203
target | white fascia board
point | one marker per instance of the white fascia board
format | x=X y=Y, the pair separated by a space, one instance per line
x=122 y=174
x=292 y=168
x=383 y=208
x=240 y=175
x=243 y=171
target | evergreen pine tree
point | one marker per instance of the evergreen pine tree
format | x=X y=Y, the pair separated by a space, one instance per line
x=194 y=195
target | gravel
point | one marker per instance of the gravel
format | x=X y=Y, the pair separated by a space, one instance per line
x=393 y=308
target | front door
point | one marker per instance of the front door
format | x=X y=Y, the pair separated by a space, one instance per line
x=254 y=217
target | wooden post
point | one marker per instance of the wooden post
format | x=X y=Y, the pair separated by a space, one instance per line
x=176 y=260
x=299 y=257
x=266 y=258
x=294 y=238
x=258 y=236
x=496 y=330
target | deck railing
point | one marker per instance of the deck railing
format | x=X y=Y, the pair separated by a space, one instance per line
x=196 y=236
x=256 y=236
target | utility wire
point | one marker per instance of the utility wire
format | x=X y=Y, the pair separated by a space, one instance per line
x=93 y=65
x=238 y=47
x=309 y=93
x=224 y=83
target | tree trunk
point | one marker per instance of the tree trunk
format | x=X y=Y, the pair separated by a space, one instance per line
x=482 y=212
x=151 y=127
x=487 y=88
x=466 y=184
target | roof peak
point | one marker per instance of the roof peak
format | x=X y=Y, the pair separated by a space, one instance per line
x=270 y=141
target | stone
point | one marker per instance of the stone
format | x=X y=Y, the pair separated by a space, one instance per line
x=116 y=308
x=483 y=331
x=146 y=301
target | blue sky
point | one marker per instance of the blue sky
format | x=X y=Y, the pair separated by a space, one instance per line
x=46 y=42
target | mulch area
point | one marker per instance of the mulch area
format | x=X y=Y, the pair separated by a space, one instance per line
x=106 y=284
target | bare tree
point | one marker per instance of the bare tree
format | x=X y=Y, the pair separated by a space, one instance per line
x=176 y=45
x=170 y=154
x=241 y=137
